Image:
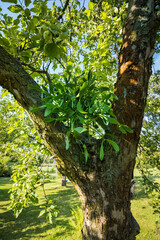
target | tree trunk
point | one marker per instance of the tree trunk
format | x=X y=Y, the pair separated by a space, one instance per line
x=104 y=186
x=106 y=210
x=106 y=197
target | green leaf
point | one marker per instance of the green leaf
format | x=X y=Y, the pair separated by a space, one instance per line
x=101 y=151
x=42 y=213
x=18 y=211
x=27 y=2
x=108 y=96
x=88 y=12
x=93 y=98
x=79 y=108
x=33 y=199
x=112 y=120
x=52 y=50
x=50 y=119
x=80 y=129
x=15 y=8
x=122 y=130
x=50 y=217
x=47 y=99
x=4 y=41
x=83 y=89
x=112 y=135
x=100 y=121
x=114 y=96
x=33 y=10
x=35 y=87
x=27 y=12
x=114 y=144
x=67 y=139
x=77 y=135
x=91 y=5
x=4 y=94
x=16 y=21
x=34 y=109
x=103 y=89
x=86 y=154
x=37 y=108
x=81 y=119
x=70 y=112
x=128 y=129
x=47 y=112
x=49 y=105
x=106 y=108
x=10 y=1
x=89 y=75
x=10 y=131
x=91 y=81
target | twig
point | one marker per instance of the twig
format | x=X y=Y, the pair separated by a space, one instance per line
x=63 y=10
x=38 y=71
x=60 y=62
x=44 y=191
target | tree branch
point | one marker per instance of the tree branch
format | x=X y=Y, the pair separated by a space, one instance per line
x=38 y=71
x=63 y=10
x=58 y=60
x=15 y=79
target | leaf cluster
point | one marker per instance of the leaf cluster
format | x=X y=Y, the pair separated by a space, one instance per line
x=82 y=106
x=27 y=177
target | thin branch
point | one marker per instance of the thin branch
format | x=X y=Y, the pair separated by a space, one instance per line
x=38 y=71
x=33 y=138
x=44 y=192
x=63 y=10
x=60 y=62
x=83 y=4
x=61 y=3
x=99 y=3
x=32 y=68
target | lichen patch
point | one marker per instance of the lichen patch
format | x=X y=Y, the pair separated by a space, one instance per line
x=118 y=214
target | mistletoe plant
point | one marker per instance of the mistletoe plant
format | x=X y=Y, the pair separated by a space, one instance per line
x=82 y=106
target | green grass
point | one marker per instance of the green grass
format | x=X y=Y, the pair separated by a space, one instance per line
x=143 y=211
x=28 y=226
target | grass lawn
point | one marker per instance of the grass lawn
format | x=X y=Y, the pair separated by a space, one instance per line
x=28 y=226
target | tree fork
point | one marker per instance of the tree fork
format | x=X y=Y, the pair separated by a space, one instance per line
x=104 y=186
x=135 y=62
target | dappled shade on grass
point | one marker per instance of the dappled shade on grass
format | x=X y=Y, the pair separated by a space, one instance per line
x=28 y=226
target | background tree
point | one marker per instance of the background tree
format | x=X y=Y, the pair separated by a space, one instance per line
x=149 y=152
x=22 y=155
x=17 y=133
x=95 y=142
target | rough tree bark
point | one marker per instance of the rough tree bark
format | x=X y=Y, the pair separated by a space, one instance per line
x=104 y=186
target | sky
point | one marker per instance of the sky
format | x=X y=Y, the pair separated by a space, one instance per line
x=156 y=58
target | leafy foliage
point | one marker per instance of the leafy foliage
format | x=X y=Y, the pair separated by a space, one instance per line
x=27 y=177
x=41 y=35
x=82 y=106
x=17 y=132
x=18 y=140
